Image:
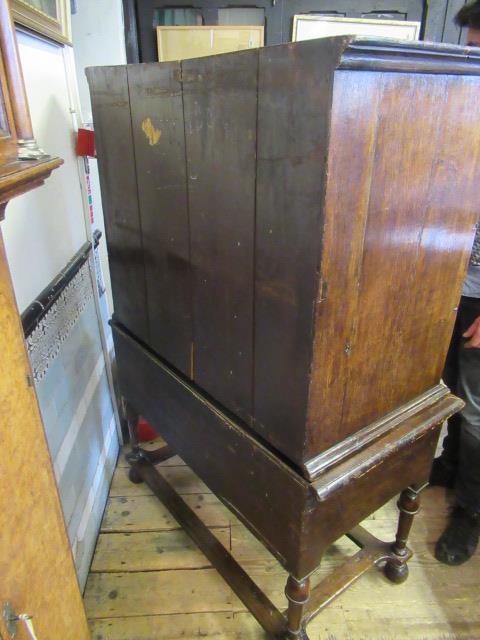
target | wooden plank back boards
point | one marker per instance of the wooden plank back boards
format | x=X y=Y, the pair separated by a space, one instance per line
x=220 y=107
x=289 y=228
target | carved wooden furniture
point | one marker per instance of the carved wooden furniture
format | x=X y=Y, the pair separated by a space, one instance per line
x=288 y=231
x=36 y=564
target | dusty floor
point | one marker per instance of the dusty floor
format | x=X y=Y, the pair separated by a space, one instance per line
x=148 y=581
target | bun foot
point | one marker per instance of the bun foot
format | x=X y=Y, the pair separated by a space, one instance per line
x=301 y=635
x=396 y=572
x=134 y=476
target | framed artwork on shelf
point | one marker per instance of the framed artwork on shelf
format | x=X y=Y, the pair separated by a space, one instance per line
x=182 y=42
x=308 y=27
x=51 y=18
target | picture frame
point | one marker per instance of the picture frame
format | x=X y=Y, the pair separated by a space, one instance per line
x=50 y=18
x=195 y=41
x=307 y=27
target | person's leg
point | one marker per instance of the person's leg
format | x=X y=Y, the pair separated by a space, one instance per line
x=467 y=488
x=444 y=468
x=460 y=539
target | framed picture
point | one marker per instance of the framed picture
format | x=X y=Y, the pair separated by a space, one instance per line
x=51 y=18
x=307 y=27
x=183 y=42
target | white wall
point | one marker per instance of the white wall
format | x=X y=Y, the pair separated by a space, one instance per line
x=98 y=39
x=44 y=228
x=97 y=32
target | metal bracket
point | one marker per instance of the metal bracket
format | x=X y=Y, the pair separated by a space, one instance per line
x=11 y=620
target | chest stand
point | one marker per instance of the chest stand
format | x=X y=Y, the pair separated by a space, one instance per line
x=303 y=603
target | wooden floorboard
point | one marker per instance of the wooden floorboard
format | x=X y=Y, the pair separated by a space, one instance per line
x=151 y=551
x=182 y=478
x=149 y=582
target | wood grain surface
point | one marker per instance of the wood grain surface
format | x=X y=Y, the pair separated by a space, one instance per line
x=295 y=519
x=230 y=461
x=159 y=144
x=441 y=602
x=294 y=102
x=118 y=183
x=301 y=230
x=220 y=105
x=399 y=224
x=36 y=564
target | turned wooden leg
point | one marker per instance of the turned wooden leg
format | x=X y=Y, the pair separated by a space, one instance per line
x=134 y=476
x=298 y=593
x=131 y=416
x=396 y=568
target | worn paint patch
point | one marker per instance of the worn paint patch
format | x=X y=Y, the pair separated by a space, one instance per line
x=152 y=134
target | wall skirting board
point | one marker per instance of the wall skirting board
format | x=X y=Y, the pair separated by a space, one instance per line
x=64 y=344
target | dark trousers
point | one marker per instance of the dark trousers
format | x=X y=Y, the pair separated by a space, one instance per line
x=461 y=447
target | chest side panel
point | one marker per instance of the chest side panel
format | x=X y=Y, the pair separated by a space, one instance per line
x=401 y=205
x=295 y=89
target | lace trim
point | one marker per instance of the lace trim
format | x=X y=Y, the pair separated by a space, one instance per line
x=45 y=341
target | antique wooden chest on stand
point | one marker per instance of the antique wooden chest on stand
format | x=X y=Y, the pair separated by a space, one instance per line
x=288 y=231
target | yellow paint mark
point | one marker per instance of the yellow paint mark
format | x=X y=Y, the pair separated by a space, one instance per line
x=153 y=134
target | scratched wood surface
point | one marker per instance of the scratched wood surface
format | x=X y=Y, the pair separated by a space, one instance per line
x=36 y=566
x=293 y=123
x=148 y=581
x=159 y=143
x=220 y=107
x=403 y=247
x=284 y=230
x=118 y=183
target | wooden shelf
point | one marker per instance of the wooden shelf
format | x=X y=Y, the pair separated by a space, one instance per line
x=22 y=176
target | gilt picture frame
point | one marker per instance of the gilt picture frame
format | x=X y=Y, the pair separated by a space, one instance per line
x=307 y=27
x=50 y=18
